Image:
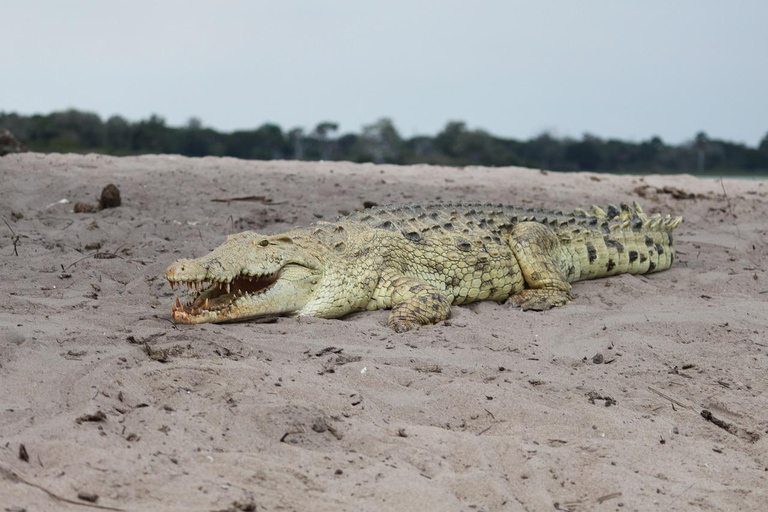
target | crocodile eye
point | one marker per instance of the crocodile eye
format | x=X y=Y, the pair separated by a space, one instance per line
x=264 y=243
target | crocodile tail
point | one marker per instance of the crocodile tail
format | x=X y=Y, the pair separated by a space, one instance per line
x=618 y=240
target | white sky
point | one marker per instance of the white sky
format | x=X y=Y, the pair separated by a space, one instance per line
x=515 y=68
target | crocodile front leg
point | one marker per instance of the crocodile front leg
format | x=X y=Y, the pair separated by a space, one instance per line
x=414 y=302
x=537 y=248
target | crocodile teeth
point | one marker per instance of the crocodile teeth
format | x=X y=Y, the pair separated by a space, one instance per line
x=227 y=287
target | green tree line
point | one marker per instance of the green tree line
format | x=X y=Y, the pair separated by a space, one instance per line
x=380 y=142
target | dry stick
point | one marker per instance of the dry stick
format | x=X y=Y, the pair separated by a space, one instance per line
x=683 y=491
x=13 y=476
x=173 y=325
x=730 y=208
x=249 y=199
x=486 y=430
x=15 y=238
x=678 y=402
x=98 y=255
x=69 y=222
x=609 y=497
x=282 y=439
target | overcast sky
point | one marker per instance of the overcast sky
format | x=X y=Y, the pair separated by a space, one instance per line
x=515 y=68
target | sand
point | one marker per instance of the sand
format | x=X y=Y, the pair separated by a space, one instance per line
x=593 y=406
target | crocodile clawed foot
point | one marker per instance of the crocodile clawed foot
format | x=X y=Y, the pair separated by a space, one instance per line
x=540 y=300
x=400 y=325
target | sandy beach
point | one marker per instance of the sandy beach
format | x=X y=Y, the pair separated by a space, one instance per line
x=594 y=406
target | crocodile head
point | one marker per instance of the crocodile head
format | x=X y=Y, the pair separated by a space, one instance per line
x=248 y=276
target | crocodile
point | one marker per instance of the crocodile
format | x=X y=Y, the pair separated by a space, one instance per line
x=419 y=260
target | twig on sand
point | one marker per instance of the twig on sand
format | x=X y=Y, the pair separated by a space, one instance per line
x=611 y=496
x=674 y=401
x=727 y=199
x=97 y=255
x=16 y=238
x=292 y=432
x=173 y=324
x=13 y=476
x=486 y=429
x=683 y=491
x=730 y=208
x=247 y=199
x=742 y=433
x=101 y=255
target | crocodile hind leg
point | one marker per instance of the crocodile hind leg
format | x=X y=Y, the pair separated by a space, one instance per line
x=414 y=302
x=536 y=248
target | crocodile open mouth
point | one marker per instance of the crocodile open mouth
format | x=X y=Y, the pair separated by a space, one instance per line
x=219 y=296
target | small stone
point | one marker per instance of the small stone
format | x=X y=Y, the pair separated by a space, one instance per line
x=110 y=197
x=598 y=358
x=23 y=455
x=90 y=497
x=245 y=506
x=86 y=208
x=98 y=416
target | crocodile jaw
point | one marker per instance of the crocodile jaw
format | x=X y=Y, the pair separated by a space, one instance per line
x=238 y=297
